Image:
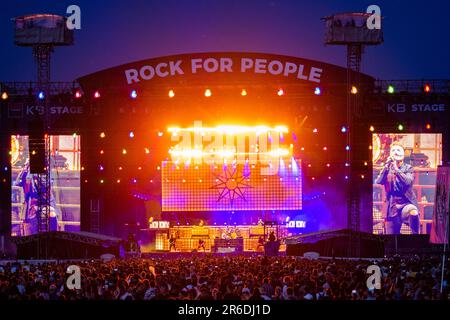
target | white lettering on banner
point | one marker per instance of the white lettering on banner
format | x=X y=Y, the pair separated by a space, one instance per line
x=175 y=68
x=160 y=73
x=222 y=65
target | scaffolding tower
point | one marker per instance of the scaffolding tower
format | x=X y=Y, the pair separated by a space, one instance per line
x=43 y=32
x=350 y=30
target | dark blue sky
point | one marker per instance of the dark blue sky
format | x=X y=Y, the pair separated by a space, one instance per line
x=416 y=33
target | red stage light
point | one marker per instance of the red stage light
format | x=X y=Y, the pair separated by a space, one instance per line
x=78 y=94
x=96 y=94
x=428 y=126
x=280 y=92
x=171 y=94
x=427 y=88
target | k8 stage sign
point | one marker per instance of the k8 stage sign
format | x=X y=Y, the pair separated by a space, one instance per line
x=416 y=107
x=20 y=110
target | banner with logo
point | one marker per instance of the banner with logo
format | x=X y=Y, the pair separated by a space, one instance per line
x=439 y=227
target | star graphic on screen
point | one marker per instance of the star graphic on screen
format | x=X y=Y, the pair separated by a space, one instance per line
x=231 y=185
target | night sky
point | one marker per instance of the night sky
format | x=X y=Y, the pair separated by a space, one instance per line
x=416 y=33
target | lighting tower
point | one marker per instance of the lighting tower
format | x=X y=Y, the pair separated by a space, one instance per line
x=350 y=30
x=42 y=32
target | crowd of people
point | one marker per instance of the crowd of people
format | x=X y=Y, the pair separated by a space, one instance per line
x=221 y=277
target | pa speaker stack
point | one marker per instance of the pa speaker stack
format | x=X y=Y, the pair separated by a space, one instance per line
x=36 y=147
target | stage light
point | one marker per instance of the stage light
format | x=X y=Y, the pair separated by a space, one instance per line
x=4 y=96
x=347 y=147
x=428 y=126
x=97 y=94
x=102 y=152
x=427 y=88
x=41 y=95
x=280 y=92
x=120 y=168
x=133 y=94
x=344 y=129
x=78 y=94
x=328 y=165
x=370 y=147
x=134 y=180
x=317 y=91
x=208 y=93
x=372 y=128
x=400 y=127
x=139 y=168
x=243 y=92
x=160 y=134
x=325 y=148
x=74 y=135
x=309 y=165
x=346 y=177
x=101 y=168
x=171 y=93
x=147 y=150
x=329 y=178
x=354 y=90
x=315 y=130
x=390 y=89
x=362 y=176
x=118 y=180
x=102 y=135
x=131 y=134
x=102 y=181
x=124 y=151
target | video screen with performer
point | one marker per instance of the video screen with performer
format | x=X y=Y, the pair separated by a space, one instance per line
x=65 y=151
x=404 y=181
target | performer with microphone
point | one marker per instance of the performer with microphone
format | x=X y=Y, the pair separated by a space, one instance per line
x=398 y=178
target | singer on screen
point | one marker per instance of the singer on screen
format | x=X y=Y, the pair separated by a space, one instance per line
x=398 y=178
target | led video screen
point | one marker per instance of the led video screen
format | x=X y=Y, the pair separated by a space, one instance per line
x=404 y=181
x=65 y=154
x=233 y=187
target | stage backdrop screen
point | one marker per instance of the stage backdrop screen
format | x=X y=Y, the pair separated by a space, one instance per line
x=65 y=186
x=403 y=198
x=224 y=188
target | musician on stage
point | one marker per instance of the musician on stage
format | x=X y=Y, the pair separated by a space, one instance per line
x=172 y=243
x=398 y=178
x=260 y=243
x=201 y=244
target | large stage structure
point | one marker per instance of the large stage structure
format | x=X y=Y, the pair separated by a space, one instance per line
x=115 y=135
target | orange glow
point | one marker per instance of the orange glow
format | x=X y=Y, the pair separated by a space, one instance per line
x=171 y=93
x=208 y=93
x=280 y=92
